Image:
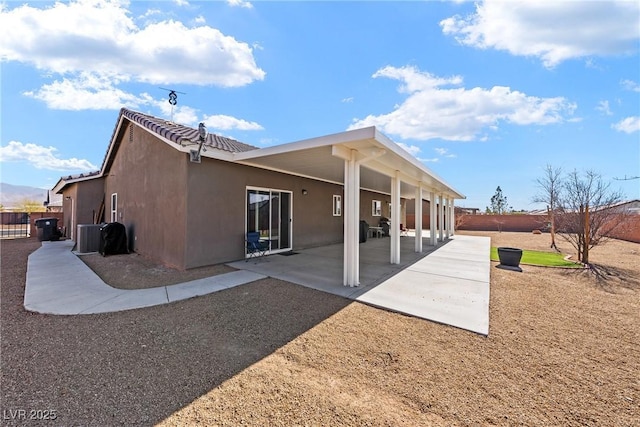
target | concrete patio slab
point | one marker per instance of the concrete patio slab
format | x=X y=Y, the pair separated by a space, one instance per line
x=448 y=283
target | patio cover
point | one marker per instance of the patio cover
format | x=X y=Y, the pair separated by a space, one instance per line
x=362 y=159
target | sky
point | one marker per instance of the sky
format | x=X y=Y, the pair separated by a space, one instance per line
x=485 y=94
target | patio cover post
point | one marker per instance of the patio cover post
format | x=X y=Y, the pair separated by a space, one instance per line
x=351 y=268
x=440 y=218
x=418 y=220
x=432 y=218
x=395 y=219
x=452 y=216
x=447 y=223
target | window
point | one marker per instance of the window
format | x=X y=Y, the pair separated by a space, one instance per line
x=337 y=205
x=376 y=208
x=114 y=207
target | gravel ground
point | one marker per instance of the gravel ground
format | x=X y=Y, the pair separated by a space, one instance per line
x=133 y=271
x=563 y=349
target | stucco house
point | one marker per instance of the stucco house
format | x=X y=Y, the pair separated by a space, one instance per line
x=188 y=210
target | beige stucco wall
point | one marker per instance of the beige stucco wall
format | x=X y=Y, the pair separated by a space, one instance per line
x=366 y=207
x=80 y=202
x=149 y=177
x=216 y=206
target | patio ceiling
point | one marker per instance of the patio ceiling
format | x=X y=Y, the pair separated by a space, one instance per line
x=318 y=158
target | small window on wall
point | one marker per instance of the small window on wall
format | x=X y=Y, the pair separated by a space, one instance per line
x=337 y=205
x=114 y=207
x=376 y=208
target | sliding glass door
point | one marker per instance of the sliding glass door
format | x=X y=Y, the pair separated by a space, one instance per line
x=269 y=213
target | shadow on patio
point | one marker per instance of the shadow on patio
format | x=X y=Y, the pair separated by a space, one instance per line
x=448 y=283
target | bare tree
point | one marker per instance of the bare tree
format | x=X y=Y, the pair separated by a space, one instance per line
x=589 y=212
x=550 y=186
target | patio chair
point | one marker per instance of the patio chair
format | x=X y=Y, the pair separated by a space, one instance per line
x=255 y=246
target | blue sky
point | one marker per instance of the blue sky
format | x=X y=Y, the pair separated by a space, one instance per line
x=486 y=94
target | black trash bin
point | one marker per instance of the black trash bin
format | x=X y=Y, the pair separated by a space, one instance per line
x=113 y=239
x=364 y=230
x=47 y=229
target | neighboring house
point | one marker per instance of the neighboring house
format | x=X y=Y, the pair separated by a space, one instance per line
x=53 y=202
x=303 y=194
x=629 y=207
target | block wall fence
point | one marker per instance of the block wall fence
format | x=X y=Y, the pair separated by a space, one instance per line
x=524 y=223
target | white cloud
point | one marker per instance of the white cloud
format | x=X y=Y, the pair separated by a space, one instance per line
x=630 y=85
x=411 y=149
x=240 y=3
x=434 y=109
x=347 y=100
x=628 y=125
x=554 y=31
x=223 y=122
x=87 y=91
x=100 y=37
x=42 y=157
x=92 y=91
x=182 y=114
x=445 y=153
x=603 y=107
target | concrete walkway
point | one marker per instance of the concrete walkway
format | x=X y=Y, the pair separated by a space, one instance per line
x=448 y=283
x=58 y=282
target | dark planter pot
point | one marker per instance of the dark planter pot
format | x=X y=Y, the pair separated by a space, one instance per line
x=510 y=257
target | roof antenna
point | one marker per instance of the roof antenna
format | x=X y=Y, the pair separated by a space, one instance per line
x=173 y=98
x=627 y=178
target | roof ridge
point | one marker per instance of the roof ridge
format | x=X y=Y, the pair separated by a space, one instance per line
x=179 y=133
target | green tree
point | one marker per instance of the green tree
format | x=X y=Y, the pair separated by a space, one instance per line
x=498 y=202
x=28 y=205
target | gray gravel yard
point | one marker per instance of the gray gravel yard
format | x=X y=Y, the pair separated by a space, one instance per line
x=563 y=349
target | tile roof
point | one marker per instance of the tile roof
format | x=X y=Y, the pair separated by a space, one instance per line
x=184 y=135
x=80 y=175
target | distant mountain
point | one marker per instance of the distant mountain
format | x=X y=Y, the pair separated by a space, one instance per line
x=10 y=194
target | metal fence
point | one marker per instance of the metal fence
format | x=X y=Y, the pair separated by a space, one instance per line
x=14 y=225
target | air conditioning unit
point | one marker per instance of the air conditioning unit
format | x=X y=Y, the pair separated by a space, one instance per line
x=88 y=238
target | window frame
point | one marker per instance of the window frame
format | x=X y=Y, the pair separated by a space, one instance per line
x=114 y=207
x=337 y=205
x=376 y=208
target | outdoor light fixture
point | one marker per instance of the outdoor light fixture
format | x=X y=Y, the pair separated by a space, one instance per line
x=305 y=192
x=202 y=133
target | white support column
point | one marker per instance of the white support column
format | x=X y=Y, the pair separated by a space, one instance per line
x=351 y=273
x=395 y=219
x=452 y=217
x=440 y=218
x=418 y=221
x=433 y=212
x=447 y=217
